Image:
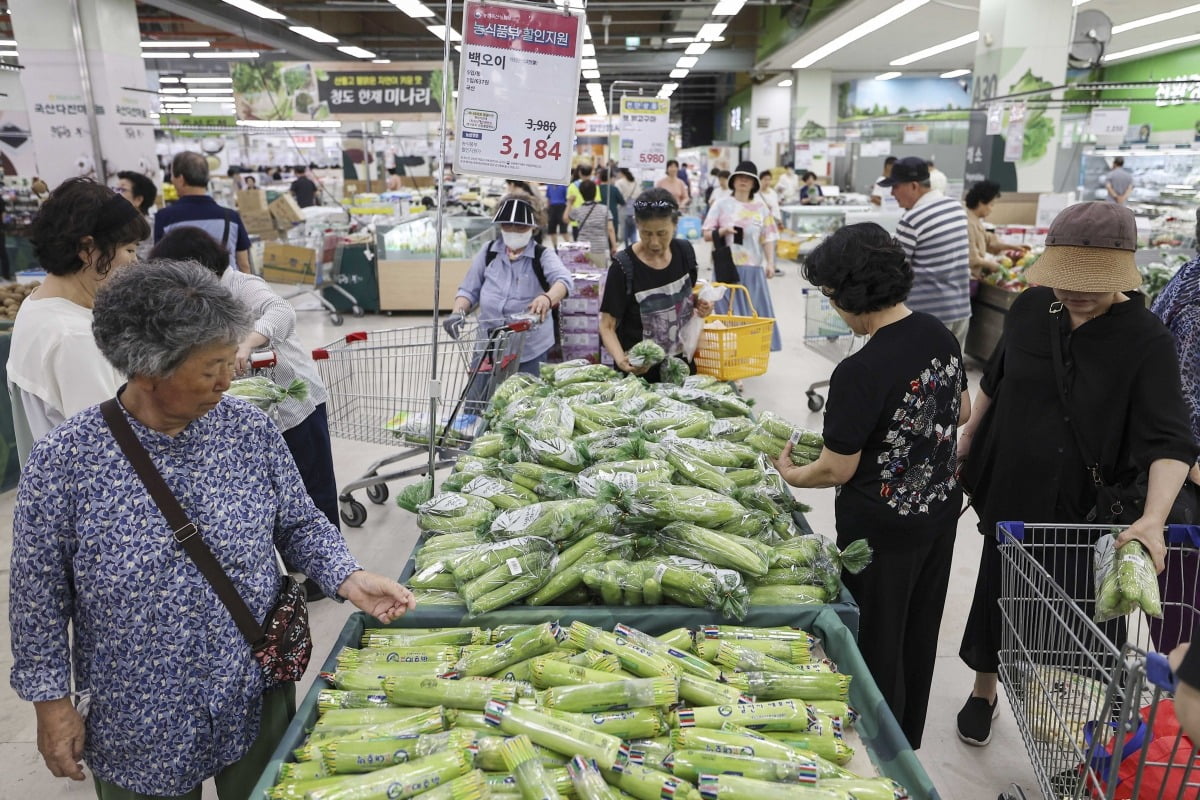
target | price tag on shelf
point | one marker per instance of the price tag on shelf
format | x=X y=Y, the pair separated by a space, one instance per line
x=517 y=92
x=645 y=128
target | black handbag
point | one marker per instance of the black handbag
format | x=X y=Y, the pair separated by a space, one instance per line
x=284 y=646
x=1116 y=503
x=724 y=270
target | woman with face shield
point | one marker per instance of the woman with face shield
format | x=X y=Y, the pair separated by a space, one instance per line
x=513 y=275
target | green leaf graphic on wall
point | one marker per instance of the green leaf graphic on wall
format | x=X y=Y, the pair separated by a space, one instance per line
x=1039 y=129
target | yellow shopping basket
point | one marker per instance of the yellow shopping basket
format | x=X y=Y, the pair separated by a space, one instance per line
x=734 y=347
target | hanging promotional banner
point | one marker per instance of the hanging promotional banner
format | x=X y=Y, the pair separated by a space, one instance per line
x=916 y=134
x=281 y=90
x=645 y=129
x=995 y=119
x=1014 y=138
x=518 y=90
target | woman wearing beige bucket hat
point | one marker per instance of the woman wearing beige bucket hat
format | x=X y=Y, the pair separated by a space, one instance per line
x=1119 y=394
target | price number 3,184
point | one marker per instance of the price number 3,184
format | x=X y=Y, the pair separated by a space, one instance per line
x=547 y=125
x=538 y=149
x=652 y=158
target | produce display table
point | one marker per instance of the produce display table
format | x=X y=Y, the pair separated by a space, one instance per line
x=877 y=727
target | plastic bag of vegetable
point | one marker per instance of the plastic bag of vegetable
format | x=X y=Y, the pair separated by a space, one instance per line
x=720 y=406
x=547 y=483
x=488 y=445
x=722 y=550
x=1125 y=580
x=592 y=417
x=567 y=374
x=477 y=561
x=820 y=556
x=674 y=371
x=556 y=520
x=732 y=429
x=617 y=444
x=568 y=572
x=646 y=353
x=529 y=642
x=788 y=595
x=264 y=393
x=453 y=512
x=547 y=369
x=700 y=585
x=664 y=502
x=499 y=492
x=557 y=452
x=624 y=474
x=437 y=597
x=554 y=419
x=694 y=469
x=415 y=494
x=555 y=734
x=518 y=385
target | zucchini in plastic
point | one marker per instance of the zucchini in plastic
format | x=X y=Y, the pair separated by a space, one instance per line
x=1126 y=580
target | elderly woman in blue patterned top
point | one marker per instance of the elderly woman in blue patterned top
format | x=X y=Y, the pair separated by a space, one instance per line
x=176 y=696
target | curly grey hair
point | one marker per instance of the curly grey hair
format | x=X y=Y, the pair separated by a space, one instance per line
x=148 y=318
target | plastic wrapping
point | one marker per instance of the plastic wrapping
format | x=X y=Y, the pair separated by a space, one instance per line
x=473 y=695
x=546 y=672
x=721 y=406
x=538 y=564
x=687 y=662
x=1126 y=580
x=370 y=755
x=674 y=371
x=589 y=783
x=722 y=550
x=645 y=783
x=689 y=422
x=488 y=445
x=558 y=452
x=428 y=721
x=646 y=353
x=412 y=637
x=555 y=734
x=554 y=420
x=665 y=503
x=351 y=658
x=809 y=687
x=523 y=762
x=696 y=470
x=691 y=764
x=740 y=787
x=789 y=595
x=555 y=520
x=702 y=692
x=617 y=444
x=700 y=585
x=612 y=696
x=453 y=512
x=499 y=492
x=533 y=641
x=414 y=495
x=568 y=571
x=626 y=475
x=733 y=657
x=469 y=565
x=519 y=385
x=571 y=372
x=625 y=724
x=400 y=781
x=732 y=429
x=633 y=658
x=338 y=698
x=265 y=393
x=437 y=597
x=776 y=715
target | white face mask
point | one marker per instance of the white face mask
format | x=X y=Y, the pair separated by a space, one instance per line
x=516 y=241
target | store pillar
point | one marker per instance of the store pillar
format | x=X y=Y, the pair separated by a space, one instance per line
x=85 y=88
x=1014 y=56
x=812 y=105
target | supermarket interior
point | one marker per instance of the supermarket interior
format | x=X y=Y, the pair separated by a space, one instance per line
x=585 y=325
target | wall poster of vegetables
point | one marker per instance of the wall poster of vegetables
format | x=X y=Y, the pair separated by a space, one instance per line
x=303 y=91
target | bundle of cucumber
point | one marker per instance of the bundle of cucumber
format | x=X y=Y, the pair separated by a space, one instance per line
x=598 y=488
x=541 y=712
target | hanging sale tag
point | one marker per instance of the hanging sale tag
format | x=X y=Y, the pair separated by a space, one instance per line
x=645 y=128
x=517 y=92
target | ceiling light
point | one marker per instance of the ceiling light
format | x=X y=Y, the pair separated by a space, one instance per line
x=589 y=51
x=786 y=82
x=414 y=8
x=440 y=32
x=285 y=123
x=920 y=55
x=381 y=61
x=955 y=73
x=386 y=123
x=587 y=31
x=202 y=90
x=593 y=87
x=357 y=52
x=228 y=54
x=172 y=80
x=709 y=31
x=681 y=40
x=591 y=74
x=8 y=42
x=156 y=54
x=313 y=33
x=176 y=45
x=894 y=13
x=678 y=73
x=1144 y=21
x=207 y=80
x=257 y=9
x=686 y=62
x=727 y=8
x=589 y=63
x=1150 y=48
x=887 y=76
x=697 y=48
x=1080 y=2
x=172 y=90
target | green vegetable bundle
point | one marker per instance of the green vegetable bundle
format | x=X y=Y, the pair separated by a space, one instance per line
x=555 y=520
x=674 y=371
x=415 y=494
x=453 y=512
x=1126 y=580
x=646 y=353
x=265 y=393
x=722 y=550
x=499 y=492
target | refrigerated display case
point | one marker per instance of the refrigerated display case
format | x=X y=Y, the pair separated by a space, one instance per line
x=406 y=259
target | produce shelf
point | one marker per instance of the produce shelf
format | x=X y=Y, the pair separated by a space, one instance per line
x=877 y=727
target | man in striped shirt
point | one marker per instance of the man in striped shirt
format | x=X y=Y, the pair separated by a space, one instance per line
x=933 y=232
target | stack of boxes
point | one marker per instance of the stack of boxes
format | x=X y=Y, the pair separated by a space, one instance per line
x=255 y=213
x=579 y=314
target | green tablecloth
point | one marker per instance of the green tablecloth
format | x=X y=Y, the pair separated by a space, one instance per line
x=879 y=730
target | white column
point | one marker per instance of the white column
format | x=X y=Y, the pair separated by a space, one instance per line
x=770 y=114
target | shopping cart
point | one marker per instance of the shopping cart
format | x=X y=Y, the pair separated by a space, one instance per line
x=1083 y=694
x=382 y=390
x=826 y=333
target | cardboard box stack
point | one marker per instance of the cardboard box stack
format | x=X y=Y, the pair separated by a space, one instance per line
x=285 y=211
x=253 y=209
x=286 y=263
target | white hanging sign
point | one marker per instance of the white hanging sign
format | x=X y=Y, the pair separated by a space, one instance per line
x=645 y=129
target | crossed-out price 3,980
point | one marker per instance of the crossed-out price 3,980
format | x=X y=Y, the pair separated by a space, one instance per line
x=539 y=149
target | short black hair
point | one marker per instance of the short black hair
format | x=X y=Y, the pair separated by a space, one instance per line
x=192 y=167
x=808 y=174
x=587 y=190
x=74 y=211
x=724 y=173
x=585 y=170
x=189 y=243
x=143 y=187
x=861 y=267
x=983 y=192
x=890 y=160
x=766 y=173
x=655 y=203
x=602 y=175
x=1119 y=161
x=673 y=162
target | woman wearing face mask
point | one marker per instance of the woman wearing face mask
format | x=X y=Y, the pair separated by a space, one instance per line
x=512 y=275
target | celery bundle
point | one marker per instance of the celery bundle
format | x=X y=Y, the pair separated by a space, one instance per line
x=554 y=734
x=646 y=353
x=614 y=696
x=523 y=762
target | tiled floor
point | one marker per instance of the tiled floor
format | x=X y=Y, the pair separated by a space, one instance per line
x=384 y=541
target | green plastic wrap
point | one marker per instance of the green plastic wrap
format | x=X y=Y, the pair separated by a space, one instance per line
x=399 y=781
x=538 y=563
x=416 y=637
x=687 y=662
x=645 y=783
x=646 y=353
x=556 y=520
x=702 y=692
x=370 y=755
x=500 y=493
x=472 y=694
x=738 y=787
x=413 y=495
x=719 y=549
x=265 y=393
x=808 y=687
x=589 y=783
x=788 y=595
x=454 y=512
x=777 y=715
x=612 y=696
x=674 y=371
x=534 y=640
x=691 y=764
x=522 y=760
x=1126 y=580
x=628 y=724
x=468 y=565
x=634 y=658
x=555 y=734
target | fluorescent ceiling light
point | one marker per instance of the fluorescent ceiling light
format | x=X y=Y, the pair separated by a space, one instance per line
x=681 y=40
x=173 y=80
x=229 y=54
x=678 y=73
x=887 y=76
x=8 y=42
x=156 y=54
x=172 y=90
x=589 y=63
x=440 y=32
x=594 y=87
x=313 y=33
x=1144 y=21
x=697 y=48
x=1150 y=48
x=381 y=61
x=894 y=13
x=386 y=123
x=285 y=123
x=709 y=31
x=414 y=8
x=955 y=73
x=257 y=9
x=727 y=8
x=176 y=45
x=587 y=31
x=207 y=80
x=786 y=82
x=591 y=74
x=357 y=52
x=589 y=51
x=202 y=90
x=686 y=62
x=1078 y=3
x=928 y=52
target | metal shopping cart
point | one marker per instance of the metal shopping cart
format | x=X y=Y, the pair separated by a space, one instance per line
x=1083 y=694
x=827 y=334
x=382 y=390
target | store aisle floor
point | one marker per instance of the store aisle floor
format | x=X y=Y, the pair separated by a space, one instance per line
x=383 y=543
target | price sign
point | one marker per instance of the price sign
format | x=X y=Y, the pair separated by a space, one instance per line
x=1109 y=124
x=517 y=92
x=645 y=128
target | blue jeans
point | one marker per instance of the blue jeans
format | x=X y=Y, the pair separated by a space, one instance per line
x=533 y=365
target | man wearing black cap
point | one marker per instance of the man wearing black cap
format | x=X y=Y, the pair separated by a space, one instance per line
x=934 y=234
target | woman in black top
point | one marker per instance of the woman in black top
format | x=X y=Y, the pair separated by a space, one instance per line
x=894 y=409
x=1121 y=379
x=659 y=303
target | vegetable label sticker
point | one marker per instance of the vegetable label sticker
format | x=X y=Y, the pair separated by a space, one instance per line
x=444 y=504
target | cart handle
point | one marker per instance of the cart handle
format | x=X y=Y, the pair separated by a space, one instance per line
x=735 y=286
x=1158 y=672
x=1176 y=534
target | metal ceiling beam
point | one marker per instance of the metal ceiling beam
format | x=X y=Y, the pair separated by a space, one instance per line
x=269 y=33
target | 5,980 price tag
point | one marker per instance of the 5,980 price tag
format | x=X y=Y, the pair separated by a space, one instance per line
x=644 y=131
x=517 y=59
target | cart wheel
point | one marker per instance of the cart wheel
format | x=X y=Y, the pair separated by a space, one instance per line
x=377 y=493
x=336 y=318
x=815 y=401
x=356 y=311
x=1018 y=794
x=353 y=513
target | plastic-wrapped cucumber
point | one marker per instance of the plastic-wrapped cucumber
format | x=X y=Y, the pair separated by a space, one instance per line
x=303 y=770
x=612 y=696
x=488 y=445
x=738 y=787
x=645 y=783
x=723 y=550
x=867 y=788
x=733 y=657
x=791 y=652
x=825 y=743
x=732 y=429
x=534 y=640
x=547 y=483
x=519 y=589
x=788 y=595
x=555 y=734
x=568 y=571
x=484 y=558
x=588 y=781
x=780 y=428
x=437 y=597
x=352 y=658
x=415 y=494
x=700 y=585
x=523 y=762
x=567 y=374
x=513 y=387
x=558 y=452
x=625 y=474
x=665 y=503
x=370 y=755
x=499 y=492
x=652 y=753
x=546 y=672
x=474 y=694
x=538 y=563
x=556 y=520
x=370 y=677
x=429 y=721
x=592 y=417
x=265 y=393
x=1125 y=580
x=687 y=662
x=691 y=764
x=688 y=423
x=696 y=470
x=453 y=512
x=634 y=658
x=617 y=444
x=522 y=671
x=434 y=576
x=299 y=789
x=627 y=724
x=337 y=698
x=776 y=715
x=702 y=692
x=809 y=687
x=646 y=353
x=400 y=781
x=413 y=637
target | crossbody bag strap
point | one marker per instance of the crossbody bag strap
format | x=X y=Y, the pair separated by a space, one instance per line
x=1060 y=380
x=186 y=534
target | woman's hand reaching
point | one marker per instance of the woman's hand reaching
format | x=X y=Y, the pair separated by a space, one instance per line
x=380 y=597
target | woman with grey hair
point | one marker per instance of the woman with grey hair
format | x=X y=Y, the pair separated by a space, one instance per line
x=176 y=696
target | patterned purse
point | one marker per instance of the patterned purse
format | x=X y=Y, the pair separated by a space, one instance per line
x=283 y=647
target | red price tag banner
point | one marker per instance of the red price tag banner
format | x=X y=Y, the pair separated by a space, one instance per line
x=518 y=90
